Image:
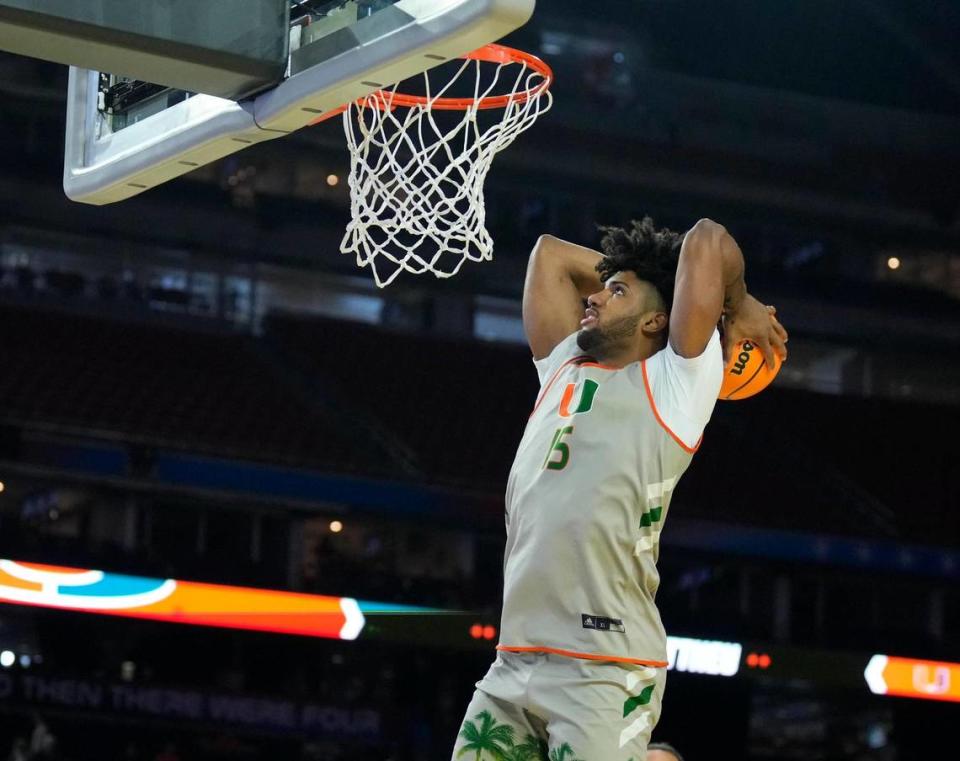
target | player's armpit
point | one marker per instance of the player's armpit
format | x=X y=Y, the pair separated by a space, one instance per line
x=709 y=280
x=560 y=275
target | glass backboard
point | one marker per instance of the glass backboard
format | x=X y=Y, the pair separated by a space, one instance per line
x=230 y=49
x=125 y=136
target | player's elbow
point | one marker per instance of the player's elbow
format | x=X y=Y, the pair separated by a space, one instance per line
x=702 y=243
x=544 y=243
x=705 y=224
x=545 y=255
x=707 y=229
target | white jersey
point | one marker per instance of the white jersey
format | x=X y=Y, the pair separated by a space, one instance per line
x=588 y=496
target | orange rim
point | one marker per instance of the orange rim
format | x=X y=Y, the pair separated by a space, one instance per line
x=499 y=54
x=492 y=53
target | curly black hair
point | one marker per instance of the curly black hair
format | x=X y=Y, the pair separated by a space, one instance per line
x=650 y=253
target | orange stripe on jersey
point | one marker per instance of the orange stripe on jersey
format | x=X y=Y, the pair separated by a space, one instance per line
x=556 y=375
x=585 y=656
x=656 y=414
x=598 y=365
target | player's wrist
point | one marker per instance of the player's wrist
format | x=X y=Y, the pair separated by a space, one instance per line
x=734 y=299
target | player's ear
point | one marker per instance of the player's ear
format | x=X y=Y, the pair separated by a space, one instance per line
x=655 y=323
x=655 y=320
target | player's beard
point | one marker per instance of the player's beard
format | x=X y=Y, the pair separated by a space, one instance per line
x=600 y=342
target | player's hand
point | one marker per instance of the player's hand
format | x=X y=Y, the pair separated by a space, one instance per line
x=758 y=323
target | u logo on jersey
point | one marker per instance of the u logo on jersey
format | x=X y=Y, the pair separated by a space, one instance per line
x=587 y=393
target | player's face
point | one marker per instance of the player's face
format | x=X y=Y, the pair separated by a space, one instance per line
x=622 y=296
x=612 y=316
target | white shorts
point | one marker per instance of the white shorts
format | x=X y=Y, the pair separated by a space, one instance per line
x=599 y=710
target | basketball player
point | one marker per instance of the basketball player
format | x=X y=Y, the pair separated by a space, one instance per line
x=627 y=386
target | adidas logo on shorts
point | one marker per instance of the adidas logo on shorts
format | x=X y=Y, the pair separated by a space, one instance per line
x=602 y=623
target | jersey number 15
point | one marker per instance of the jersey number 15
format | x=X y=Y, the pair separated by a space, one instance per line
x=559 y=454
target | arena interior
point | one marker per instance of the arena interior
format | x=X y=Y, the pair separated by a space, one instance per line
x=196 y=385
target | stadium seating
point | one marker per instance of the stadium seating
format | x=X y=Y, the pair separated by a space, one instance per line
x=204 y=392
x=459 y=405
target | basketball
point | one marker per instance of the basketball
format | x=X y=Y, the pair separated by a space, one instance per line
x=747 y=373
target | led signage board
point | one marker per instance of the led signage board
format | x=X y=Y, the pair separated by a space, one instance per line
x=189 y=602
x=347 y=618
x=702 y=656
x=913 y=678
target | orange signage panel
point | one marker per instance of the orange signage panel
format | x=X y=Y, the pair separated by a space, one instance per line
x=187 y=602
x=913 y=678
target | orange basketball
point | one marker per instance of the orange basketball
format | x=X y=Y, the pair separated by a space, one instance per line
x=747 y=372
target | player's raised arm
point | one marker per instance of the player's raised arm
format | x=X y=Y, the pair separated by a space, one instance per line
x=709 y=284
x=560 y=276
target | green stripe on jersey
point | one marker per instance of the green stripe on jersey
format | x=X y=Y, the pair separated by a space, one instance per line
x=651 y=516
x=632 y=704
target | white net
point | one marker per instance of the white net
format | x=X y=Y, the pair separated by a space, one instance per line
x=418 y=168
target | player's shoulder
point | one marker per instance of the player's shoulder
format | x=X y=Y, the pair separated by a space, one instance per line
x=565 y=350
x=684 y=390
x=709 y=360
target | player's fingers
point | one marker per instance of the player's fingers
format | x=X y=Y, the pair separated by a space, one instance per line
x=780 y=330
x=782 y=351
x=779 y=345
x=766 y=348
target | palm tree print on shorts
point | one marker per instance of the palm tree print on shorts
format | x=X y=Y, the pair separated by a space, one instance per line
x=486 y=736
x=563 y=753
x=531 y=749
x=493 y=741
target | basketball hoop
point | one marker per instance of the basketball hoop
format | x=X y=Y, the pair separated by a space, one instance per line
x=416 y=176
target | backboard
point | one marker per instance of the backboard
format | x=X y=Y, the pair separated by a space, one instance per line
x=125 y=136
x=232 y=50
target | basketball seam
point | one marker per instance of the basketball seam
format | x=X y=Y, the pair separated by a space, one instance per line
x=749 y=380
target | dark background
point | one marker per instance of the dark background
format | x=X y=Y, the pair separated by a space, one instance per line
x=214 y=319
